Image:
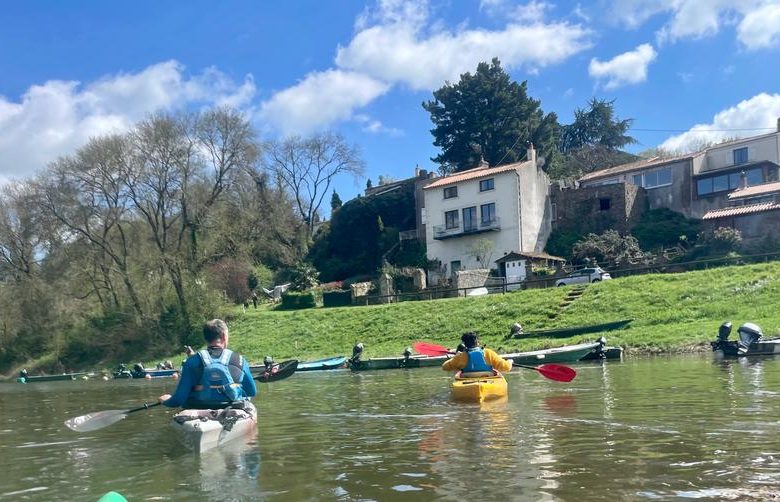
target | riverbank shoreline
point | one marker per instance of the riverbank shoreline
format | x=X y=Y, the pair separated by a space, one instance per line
x=671 y=314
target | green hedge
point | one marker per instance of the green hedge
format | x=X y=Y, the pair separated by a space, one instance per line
x=293 y=300
x=337 y=298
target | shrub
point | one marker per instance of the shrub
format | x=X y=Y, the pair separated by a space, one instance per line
x=337 y=298
x=292 y=300
x=722 y=240
x=664 y=228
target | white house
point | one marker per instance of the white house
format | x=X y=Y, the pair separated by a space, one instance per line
x=507 y=205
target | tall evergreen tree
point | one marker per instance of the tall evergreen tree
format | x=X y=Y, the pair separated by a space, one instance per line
x=487 y=115
x=335 y=201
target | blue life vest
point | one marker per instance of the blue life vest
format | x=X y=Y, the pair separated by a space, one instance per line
x=217 y=384
x=477 y=361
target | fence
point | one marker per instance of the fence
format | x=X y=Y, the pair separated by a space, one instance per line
x=501 y=286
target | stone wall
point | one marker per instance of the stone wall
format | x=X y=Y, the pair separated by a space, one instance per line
x=475 y=278
x=600 y=208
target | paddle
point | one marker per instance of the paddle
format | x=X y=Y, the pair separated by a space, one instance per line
x=99 y=419
x=557 y=372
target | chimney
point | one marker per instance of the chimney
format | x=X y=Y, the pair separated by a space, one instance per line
x=417 y=171
x=483 y=163
x=530 y=154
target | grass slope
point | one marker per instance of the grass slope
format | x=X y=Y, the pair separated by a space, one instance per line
x=671 y=312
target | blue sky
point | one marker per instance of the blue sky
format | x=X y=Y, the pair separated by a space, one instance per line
x=697 y=70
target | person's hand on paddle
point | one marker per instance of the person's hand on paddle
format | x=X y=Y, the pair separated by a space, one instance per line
x=163 y=398
x=189 y=351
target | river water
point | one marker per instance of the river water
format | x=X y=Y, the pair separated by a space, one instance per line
x=643 y=429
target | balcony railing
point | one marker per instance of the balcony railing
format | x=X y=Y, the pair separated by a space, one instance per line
x=441 y=232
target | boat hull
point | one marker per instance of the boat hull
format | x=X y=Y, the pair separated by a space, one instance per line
x=54 y=378
x=278 y=371
x=388 y=363
x=478 y=389
x=331 y=363
x=200 y=431
x=574 y=330
x=728 y=348
x=565 y=354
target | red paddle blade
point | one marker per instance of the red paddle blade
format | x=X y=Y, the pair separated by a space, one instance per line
x=557 y=372
x=431 y=349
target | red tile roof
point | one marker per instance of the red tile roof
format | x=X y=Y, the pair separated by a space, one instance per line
x=636 y=166
x=764 y=188
x=740 y=210
x=472 y=174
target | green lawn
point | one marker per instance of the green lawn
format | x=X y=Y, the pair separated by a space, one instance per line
x=671 y=312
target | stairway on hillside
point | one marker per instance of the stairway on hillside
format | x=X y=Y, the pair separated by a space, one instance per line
x=571 y=296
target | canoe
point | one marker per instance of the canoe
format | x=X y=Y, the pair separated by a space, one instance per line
x=572 y=330
x=330 y=363
x=203 y=430
x=565 y=354
x=478 y=389
x=278 y=371
x=52 y=378
x=386 y=363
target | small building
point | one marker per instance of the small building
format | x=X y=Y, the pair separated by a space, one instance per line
x=517 y=267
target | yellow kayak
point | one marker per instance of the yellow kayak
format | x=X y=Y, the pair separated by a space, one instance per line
x=478 y=388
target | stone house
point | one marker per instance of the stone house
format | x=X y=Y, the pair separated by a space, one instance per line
x=754 y=211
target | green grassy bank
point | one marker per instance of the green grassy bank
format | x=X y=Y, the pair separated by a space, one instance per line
x=671 y=313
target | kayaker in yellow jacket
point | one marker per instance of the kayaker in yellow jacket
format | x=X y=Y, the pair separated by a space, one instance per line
x=475 y=359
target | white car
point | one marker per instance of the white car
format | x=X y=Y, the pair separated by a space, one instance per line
x=585 y=275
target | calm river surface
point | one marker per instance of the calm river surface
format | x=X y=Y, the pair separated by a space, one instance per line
x=643 y=429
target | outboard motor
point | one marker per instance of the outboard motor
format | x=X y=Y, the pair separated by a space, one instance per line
x=268 y=361
x=749 y=333
x=516 y=330
x=357 y=351
x=407 y=353
x=724 y=331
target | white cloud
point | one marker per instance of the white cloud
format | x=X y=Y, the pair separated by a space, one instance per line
x=627 y=68
x=56 y=117
x=399 y=42
x=531 y=12
x=374 y=126
x=743 y=119
x=402 y=53
x=320 y=99
x=760 y=28
x=756 y=20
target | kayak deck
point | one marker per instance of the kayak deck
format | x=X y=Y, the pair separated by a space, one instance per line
x=478 y=388
x=203 y=430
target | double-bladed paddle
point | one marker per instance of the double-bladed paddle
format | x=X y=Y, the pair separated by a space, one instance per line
x=557 y=372
x=99 y=419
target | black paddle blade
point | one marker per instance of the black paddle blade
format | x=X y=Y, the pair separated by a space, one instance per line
x=94 y=421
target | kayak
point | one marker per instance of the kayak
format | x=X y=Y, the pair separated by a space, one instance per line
x=203 y=430
x=478 y=389
x=277 y=371
x=330 y=363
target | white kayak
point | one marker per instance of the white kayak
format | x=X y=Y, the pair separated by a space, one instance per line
x=202 y=430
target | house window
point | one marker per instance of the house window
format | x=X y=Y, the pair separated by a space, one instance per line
x=451 y=220
x=470 y=219
x=455 y=266
x=604 y=204
x=723 y=182
x=486 y=185
x=488 y=213
x=740 y=155
x=450 y=192
x=654 y=179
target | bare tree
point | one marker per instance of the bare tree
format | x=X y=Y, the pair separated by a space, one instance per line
x=308 y=166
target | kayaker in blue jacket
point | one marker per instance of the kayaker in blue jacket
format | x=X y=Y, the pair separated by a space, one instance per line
x=214 y=377
x=475 y=359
